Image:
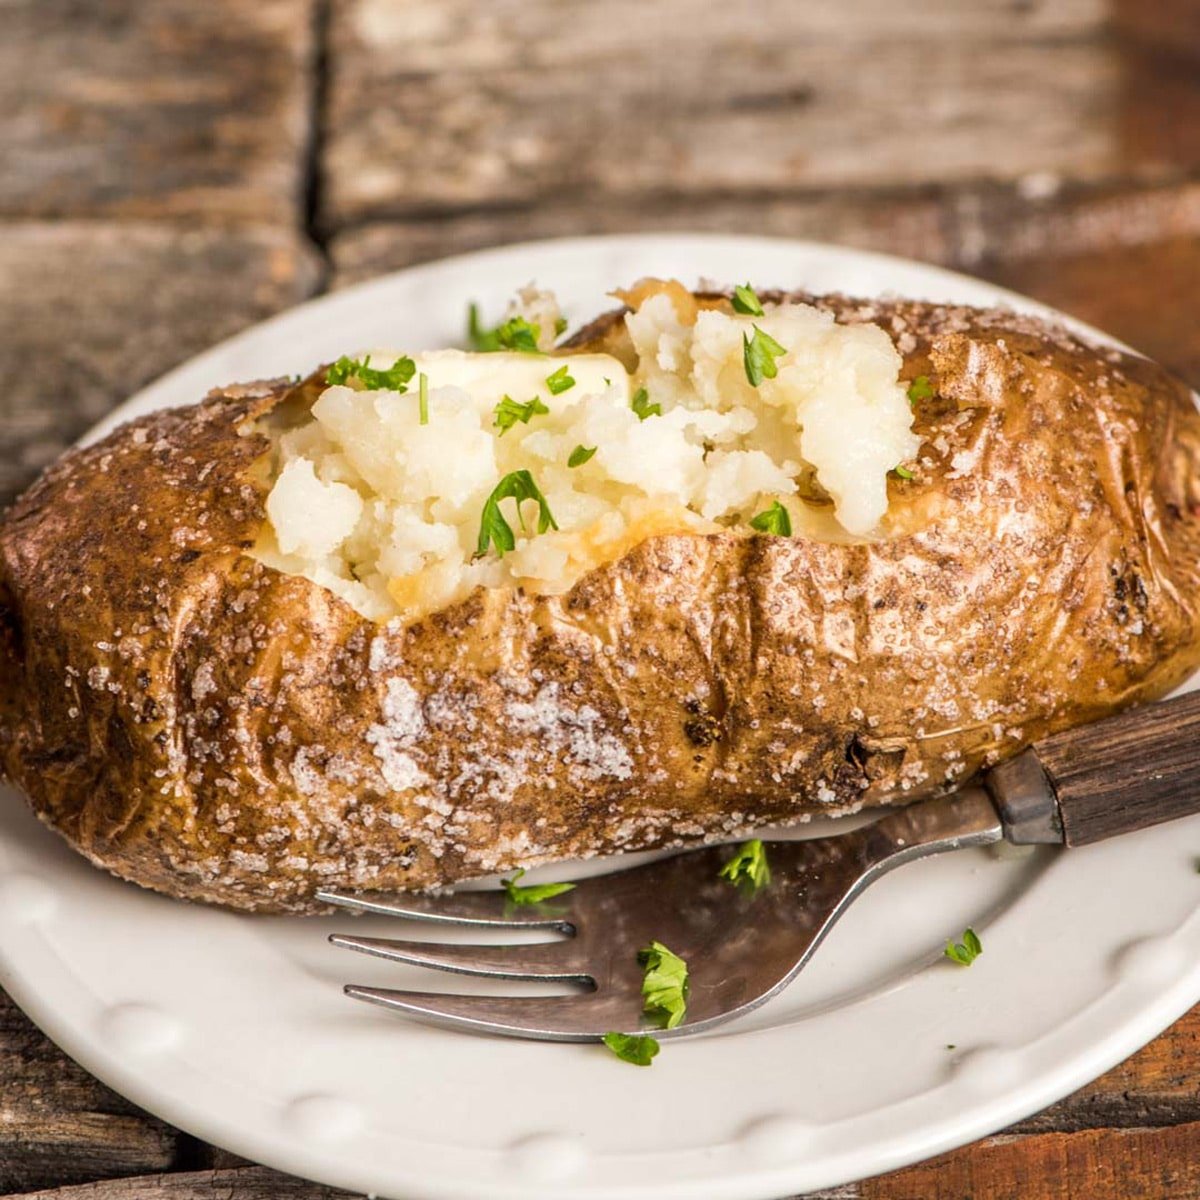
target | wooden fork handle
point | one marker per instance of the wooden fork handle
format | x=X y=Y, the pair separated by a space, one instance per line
x=1127 y=772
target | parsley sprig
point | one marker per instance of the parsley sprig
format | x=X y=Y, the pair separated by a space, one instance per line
x=967 y=951
x=560 y=381
x=748 y=867
x=514 y=334
x=532 y=893
x=746 y=301
x=665 y=985
x=632 y=1048
x=509 y=411
x=759 y=354
x=776 y=520
x=394 y=379
x=642 y=406
x=919 y=389
x=494 y=530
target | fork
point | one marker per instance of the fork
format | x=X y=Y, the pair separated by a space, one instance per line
x=742 y=948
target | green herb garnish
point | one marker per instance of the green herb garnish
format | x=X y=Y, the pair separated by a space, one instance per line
x=748 y=867
x=632 y=1048
x=514 y=334
x=665 y=986
x=759 y=354
x=580 y=455
x=967 y=951
x=560 y=326
x=919 y=389
x=775 y=519
x=394 y=379
x=509 y=412
x=533 y=893
x=903 y=472
x=559 y=381
x=494 y=530
x=642 y=406
x=423 y=398
x=746 y=302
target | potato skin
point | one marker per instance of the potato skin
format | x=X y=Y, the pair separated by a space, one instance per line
x=202 y=725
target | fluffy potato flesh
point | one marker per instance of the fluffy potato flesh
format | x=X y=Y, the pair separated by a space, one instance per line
x=380 y=496
x=197 y=720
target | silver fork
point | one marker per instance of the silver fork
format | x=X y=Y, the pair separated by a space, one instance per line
x=741 y=948
x=1083 y=785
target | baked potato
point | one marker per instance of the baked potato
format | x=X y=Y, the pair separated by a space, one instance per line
x=241 y=659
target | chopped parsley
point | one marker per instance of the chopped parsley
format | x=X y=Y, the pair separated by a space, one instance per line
x=533 y=893
x=746 y=302
x=759 y=354
x=632 y=1048
x=642 y=406
x=394 y=379
x=560 y=326
x=773 y=520
x=580 y=455
x=919 y=389
x=559 y=381
x=967 y=951
x=514 y=334
x=748 y=867
x=903 y=472
x=510 y=411
x=423 y=398
x=665 y=986
x=494 y=530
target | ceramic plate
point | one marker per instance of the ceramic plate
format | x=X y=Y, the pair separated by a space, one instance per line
x=881 y=1053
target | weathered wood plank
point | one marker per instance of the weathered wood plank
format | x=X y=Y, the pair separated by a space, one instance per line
x=1099 y=1164
x=58 y=1125
x=248 y=1183
x=92 y=311
x=150 y=109
x=438 y=104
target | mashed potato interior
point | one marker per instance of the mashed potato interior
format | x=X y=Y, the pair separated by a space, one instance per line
x=386 y=509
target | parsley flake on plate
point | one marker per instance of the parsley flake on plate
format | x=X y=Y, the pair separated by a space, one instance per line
x=509 y=412
x=560 y=381
x=642 y=406
x=532 y=893
x=494 y=530
x=774 y=520
x=748 y=867
x=394 y=379
x=665 y=986
x=632 y=1048
x=967 y=951
x=580 y=455
x=746 y=302
x=759 y=354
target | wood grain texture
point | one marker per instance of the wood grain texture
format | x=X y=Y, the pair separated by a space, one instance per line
x=1096 y=1164
x=58 y=1125
x=1130 y=771
x=166 y=107
x=443 y=103
x=91 y=311
x=246 y=1183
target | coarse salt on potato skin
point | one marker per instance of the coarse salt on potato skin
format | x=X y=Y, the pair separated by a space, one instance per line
x=201 y=724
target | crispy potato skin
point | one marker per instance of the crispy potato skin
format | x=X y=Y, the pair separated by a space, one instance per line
x=202 y=725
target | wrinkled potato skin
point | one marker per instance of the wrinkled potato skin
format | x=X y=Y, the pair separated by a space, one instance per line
x=202 y=725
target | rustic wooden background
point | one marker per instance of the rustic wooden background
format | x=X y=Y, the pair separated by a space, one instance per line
x=174 y=170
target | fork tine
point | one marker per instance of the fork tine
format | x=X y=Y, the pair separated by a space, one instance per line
x=552 y=960
x=489 y=909
x=549 y=1018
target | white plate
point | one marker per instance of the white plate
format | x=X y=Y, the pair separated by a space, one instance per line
x=882 y=1053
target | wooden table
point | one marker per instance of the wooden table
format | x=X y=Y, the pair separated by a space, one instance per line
x=174 y=170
